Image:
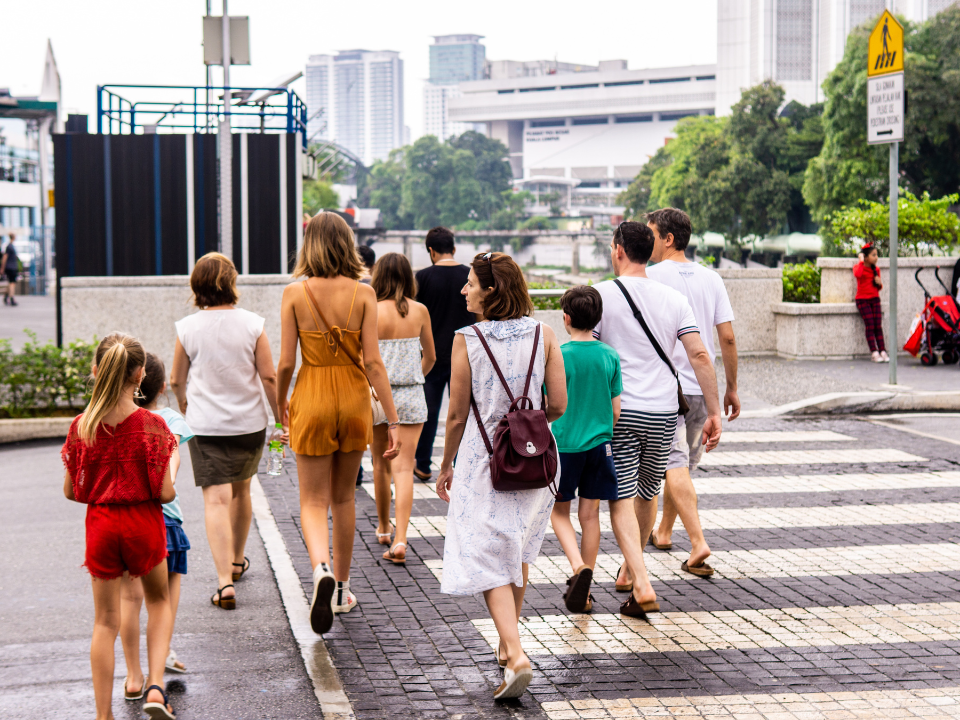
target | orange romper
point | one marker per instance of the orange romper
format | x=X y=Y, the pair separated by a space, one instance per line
x=330 y=406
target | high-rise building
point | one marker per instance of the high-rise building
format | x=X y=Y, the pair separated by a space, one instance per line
x=453 y=59
x=794 y=42
x=356 y=100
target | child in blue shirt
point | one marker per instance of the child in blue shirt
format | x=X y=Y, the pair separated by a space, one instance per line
x=131 y=595
x=584 y=434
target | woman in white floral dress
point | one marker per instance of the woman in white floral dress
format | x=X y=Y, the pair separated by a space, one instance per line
x=492 y=536
x=406 y=345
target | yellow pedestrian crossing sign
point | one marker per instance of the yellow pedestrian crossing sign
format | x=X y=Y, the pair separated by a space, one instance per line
x=886 y=46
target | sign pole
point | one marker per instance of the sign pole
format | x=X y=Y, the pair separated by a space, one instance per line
x=226 y=146
x=894 y=242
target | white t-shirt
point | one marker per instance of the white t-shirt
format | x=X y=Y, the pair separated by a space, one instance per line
x=707 y=295
x=648 y=383
x=224 y=392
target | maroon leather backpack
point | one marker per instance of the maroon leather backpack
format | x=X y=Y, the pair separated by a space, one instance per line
x=523 y=455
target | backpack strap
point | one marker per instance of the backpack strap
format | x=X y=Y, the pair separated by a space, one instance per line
x=533 y=358
x=483 y=341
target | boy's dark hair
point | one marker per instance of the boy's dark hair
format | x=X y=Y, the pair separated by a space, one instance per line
x=672 y=221
x=440 y=240
x=367 y=256
x=636 y=239
x=584 y=306
x=153 y=378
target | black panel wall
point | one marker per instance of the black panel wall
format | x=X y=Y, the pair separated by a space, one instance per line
x=294 y=213
x=237 y=205
x=263 y=178
x=205 y=169
x=80 y=213
x=134 y=211
x=173 y=203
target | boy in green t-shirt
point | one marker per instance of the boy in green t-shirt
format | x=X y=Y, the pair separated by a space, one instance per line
x=583 y=437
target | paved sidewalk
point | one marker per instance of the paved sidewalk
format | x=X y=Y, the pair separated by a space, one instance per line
x=836 y=595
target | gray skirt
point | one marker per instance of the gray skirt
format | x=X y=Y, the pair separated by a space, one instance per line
x=223 y=459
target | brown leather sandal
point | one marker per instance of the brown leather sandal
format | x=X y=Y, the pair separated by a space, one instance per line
x=632 y=608
x=653 y=541
x=225 y=603
x=623 y=587
x=701 y=570
x=393 y=557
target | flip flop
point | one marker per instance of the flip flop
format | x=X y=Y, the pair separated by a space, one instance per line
x=701 y=570
x=244 y=566
x=514 y=683
x=134 y=695
x=625 y=587
x=159 y=711
x=632 y=608
x=665 y=546
x=392 y=557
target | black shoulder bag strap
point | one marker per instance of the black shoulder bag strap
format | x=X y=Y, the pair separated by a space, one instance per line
x=682 y=406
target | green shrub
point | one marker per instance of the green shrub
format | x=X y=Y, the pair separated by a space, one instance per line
x=44 y=380
x=801 y=283
x=545 y=303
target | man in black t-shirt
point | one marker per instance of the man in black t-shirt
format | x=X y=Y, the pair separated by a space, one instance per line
x=438 y=287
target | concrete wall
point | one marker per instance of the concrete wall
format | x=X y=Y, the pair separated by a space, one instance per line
x=753 y=293
x=817 y=331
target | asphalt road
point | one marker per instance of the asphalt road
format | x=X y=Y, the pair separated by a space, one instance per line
x=241 y=664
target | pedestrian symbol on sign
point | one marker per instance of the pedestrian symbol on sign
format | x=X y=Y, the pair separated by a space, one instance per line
x=886 y=46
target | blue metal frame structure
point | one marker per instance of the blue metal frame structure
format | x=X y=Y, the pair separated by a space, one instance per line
x=198 y=109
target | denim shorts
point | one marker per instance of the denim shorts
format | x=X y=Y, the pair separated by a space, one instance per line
x=590 y=474
x=177 y=546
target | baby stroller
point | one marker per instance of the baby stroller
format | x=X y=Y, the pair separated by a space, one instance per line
x=937 y=328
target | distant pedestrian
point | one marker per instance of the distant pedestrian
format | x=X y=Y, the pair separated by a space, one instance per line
x=704 y=290
x=330 y=414
x=10 y=263
x=649 y=404
x=406 y=345
x=369 y=258
x=222 y=366
x=152 y=389
x=584 y=436
x=438 y=287
x=125 y=528
x=868 y=301
x=493 y=536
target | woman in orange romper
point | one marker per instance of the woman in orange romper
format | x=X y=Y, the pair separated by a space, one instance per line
x=333 y=317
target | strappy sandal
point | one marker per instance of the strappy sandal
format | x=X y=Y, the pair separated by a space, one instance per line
x=500 y=661
x=173 y=664
x=225 y=603
x=158 y=711
x=136 y=694
x=244 y=566
x=392 y=556
x=384 y=538
x=632 y=608
x=623 y=587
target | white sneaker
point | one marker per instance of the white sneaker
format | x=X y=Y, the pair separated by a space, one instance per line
x=875 y=357
x=884 y=357
x=321 y=613
x=343 y=600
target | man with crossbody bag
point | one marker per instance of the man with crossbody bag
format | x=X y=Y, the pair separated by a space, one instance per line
x=643 y=320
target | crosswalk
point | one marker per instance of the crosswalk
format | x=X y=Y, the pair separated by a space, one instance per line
x=869 y=456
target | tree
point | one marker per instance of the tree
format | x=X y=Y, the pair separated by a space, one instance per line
x=511 y=215
x=384 y=184
x=636 y=198
x=317 y=196
x=492 y=169
x=923 y=225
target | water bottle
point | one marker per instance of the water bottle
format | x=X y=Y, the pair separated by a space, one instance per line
x=275 y=458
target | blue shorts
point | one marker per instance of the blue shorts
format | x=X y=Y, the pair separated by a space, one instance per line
x=590 y=474
x=177 y=546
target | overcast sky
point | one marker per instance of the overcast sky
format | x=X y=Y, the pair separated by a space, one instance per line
x=133 y=42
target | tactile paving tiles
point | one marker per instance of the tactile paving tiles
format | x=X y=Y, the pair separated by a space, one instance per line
x=759 y=564
x=808 y=457
x=763 y=518
x=937 y=703
x=734 y=629
x=824 y=483
x=780 y=436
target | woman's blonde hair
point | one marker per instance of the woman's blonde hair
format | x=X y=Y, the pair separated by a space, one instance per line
x=214 y=281
x=392 y=279
x=118 y=359
x=328 y=249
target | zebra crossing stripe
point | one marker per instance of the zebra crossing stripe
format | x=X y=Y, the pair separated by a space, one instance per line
x=759 y=564
x=740 y=629
x=824 y=483
x=763 y=518
x=782 y=436
x=808 y=457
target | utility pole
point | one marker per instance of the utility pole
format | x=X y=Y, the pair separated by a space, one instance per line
x=226 y=147
x=894 y=242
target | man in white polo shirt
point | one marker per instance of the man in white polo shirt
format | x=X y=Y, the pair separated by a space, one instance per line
x=644 y=434
x=707 y=295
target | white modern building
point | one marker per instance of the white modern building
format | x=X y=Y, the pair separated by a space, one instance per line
x=453 y=59
x=794 y=42
x=584 y=135
x=356 y=100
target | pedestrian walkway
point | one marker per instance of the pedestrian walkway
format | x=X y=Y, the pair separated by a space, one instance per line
x=836 y=594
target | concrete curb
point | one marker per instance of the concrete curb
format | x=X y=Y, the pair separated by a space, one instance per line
x=859 y=402
x=19 y=429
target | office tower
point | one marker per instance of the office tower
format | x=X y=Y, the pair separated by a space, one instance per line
x=453 y=59
x=794 y=42
x=360 y=94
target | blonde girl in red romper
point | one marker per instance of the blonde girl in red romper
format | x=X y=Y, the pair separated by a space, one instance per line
x=117 y=457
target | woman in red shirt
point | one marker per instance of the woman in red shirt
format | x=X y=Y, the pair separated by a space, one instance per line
x=117 y=457
x=868 y=301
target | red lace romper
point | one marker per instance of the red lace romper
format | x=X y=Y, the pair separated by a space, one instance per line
x=120 y=478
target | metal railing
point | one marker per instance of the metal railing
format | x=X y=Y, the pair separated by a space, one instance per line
x=198 y=109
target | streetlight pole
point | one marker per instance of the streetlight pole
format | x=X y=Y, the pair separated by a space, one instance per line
x=226 y=147
x=894 y=242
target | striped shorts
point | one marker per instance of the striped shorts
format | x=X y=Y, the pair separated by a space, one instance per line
x=641 y=446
